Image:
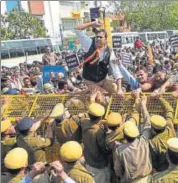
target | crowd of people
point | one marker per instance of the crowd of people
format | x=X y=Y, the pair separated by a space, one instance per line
x=130 y=148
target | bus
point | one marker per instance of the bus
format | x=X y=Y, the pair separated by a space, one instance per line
x=18 y=49
x=128 y=38
x=149 y=37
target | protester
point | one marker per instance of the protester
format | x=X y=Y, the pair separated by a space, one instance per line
x=49 y=58
x=97 y=61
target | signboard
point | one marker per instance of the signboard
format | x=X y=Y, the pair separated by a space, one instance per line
x=72 y=61
x=80 y=57
x=76 y=14
x=116 y=42
x=174 y=41
x=94 y=13
x=126 y=59
x=52 y=70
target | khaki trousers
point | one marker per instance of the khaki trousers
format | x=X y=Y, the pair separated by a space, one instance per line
x=100 y=175
x=98 y=89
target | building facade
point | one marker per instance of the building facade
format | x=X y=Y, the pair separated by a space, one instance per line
x=55 y=15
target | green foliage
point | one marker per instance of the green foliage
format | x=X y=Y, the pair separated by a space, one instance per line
x=151 y=15
x=21 y=25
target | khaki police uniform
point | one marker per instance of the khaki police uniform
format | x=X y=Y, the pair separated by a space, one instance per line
x=69 y=129
x=171 y=174
x=159 y=142
x=6 y=177
x=37 y=143
x=79 y=173
x=17 y=178
x=168 y=176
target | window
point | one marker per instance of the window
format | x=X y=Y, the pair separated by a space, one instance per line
x=69 y=24
x=66 y=3
x=20 y=52
x=4 y=54
x=18 y=48
x=28 y=43
x=14 y=44
x=143 y=37
x=10 y=5
x=161 y=35
x=74 y=5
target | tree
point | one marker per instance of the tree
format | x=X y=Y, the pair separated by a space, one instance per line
x=151 y=15
x=21 y=25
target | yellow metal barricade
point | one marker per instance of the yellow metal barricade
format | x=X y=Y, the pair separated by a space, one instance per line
x=37 y=106
x=43 y=104
x=154 y=106
x=19 y=106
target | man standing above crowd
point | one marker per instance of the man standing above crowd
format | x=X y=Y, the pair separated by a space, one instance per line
x=99 y=59
x=49 y=58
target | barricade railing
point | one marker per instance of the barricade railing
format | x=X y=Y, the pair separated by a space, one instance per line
x=36 y=106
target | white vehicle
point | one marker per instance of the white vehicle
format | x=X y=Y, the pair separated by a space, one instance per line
x=14 y=52
x=128 y=38
x=149 y=37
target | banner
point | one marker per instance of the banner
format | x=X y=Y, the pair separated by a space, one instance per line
x=116 y=42
x=94 y=13
x=126 y=59
x=72 y=61
x=80 y=57
x=48 y=71
x=174 y=41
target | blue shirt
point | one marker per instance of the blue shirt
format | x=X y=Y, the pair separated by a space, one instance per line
x=128 y=77
x=27 y=179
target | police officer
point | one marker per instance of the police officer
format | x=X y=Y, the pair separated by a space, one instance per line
x=162 y=130
x=26 y=127
x=15 y=161
x=171 y=174
x=67 y=127
x=8 y=138
x=115 y=124
x=132 y=160
x=70 y=153
x=95 y=150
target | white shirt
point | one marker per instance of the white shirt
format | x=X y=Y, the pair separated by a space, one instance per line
x=86 y=42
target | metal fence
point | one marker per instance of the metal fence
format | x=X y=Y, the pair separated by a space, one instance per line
x=36 y=106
